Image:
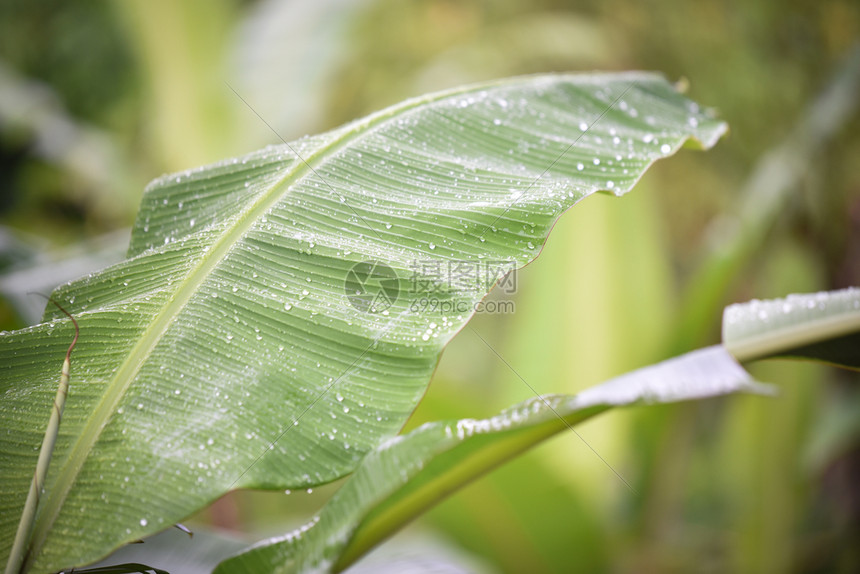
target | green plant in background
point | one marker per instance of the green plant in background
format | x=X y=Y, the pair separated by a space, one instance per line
x=743 y=484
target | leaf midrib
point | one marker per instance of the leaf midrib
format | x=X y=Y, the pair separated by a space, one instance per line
x=52 y=503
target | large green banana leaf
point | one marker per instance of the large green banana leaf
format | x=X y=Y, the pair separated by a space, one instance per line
x=246 y=342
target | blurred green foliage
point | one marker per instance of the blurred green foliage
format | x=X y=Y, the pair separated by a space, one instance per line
x=97 y=98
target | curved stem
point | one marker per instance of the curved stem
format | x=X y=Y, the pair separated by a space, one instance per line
x=28 y=516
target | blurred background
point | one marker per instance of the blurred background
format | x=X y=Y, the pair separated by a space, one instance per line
x=98 y=98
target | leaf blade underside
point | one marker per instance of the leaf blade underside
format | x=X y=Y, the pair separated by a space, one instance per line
x=823 y=326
